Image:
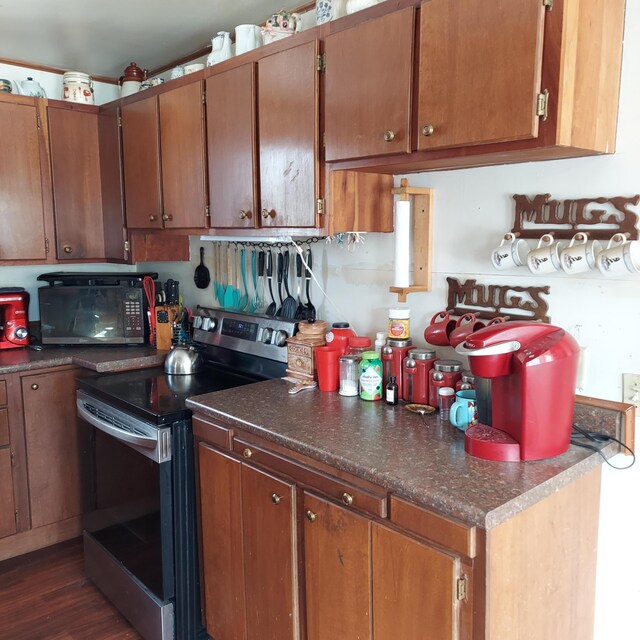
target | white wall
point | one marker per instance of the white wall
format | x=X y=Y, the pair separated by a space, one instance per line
x=472 y=209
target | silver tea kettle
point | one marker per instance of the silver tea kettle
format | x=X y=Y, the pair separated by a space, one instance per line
x=183 y=360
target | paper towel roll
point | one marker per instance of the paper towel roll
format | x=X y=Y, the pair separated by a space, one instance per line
x=402 y=233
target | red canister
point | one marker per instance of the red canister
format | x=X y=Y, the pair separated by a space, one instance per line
x=445 y=373
x=339 y=336
x=393 y=355
x=415 y=372
x=466 y=381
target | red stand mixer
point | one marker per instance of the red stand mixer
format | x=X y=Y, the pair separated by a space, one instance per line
x=14 y=321
x=529 y=371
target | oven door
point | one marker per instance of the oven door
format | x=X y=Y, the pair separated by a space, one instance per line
x=129 y=546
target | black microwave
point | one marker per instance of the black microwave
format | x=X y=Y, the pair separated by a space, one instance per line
x=93 y=308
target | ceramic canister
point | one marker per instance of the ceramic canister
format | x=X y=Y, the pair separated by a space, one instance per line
x=77 y=87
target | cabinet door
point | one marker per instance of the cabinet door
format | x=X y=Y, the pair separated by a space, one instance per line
x=479 y=71
x=288 y=122
x=414 y=589
x=7 y=505
x=21 y=207
x=231 y=146
x=368 y=88
x=270 y=551
x=141 y=164
x=183 y=157
x=221 y=535
x=337 y=549
x=54 y=446
x=77 y=194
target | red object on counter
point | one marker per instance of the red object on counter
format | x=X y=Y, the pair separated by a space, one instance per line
x=466 y=381
x=357 y=345
x=445 y=373
x=415 y=373
x=328 y=366
x=533 y=370
x=14 y=320
x=339 y=336
x=393 y=355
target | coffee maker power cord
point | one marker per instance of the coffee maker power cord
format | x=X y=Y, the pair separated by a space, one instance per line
x=591 y=439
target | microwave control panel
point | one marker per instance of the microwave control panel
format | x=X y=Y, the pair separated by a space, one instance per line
x=133 y=319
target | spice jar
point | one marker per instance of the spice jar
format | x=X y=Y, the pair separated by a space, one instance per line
x=370 y=376
x=349 y=375
x=445 y=373
x=415 y=372
x=393 y=354
x=446 y=397
x=467 y=381
x=358 y=345
x=339 y=336
x=399 y=324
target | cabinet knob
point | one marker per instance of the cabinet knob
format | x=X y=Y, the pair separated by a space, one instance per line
x=427 y=130
x=389 y=135
x=152 y=218
x=35 y=386
x=311 y=517
x=268 y=214
x=275 y=498
x=244 y=214
x=67 y=248
x=247 y=453
x=167 y=216
x=347 y=498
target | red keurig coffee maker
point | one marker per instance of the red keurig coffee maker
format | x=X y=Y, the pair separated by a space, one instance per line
x=532 y=370
x=14 y=321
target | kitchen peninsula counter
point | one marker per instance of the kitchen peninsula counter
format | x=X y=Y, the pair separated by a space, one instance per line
x=418 y=458
x=99 y=359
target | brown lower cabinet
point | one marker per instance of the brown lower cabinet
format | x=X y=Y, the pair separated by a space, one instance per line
x=41 y=445
x=292 y=548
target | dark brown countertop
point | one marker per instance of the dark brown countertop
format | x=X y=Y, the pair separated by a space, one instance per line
x=100 y=359
x=422 y=460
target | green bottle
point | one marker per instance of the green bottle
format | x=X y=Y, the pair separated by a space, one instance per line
x=370 y=376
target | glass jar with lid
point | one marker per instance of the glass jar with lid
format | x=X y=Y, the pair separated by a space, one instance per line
x=358 y=345
x=445 y=373
x=349 y=375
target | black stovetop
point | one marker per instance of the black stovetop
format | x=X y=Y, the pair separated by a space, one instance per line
x=156 y=397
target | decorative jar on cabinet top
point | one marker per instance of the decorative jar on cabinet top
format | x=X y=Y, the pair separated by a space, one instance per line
x=329 y=10
x=359 y=5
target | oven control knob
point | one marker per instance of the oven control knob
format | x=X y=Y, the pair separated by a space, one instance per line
x=280 y=338
x=209 y=324
x=197 y=322
x=267 y=334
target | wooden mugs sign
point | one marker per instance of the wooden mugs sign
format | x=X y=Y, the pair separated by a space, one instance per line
x=600 y=217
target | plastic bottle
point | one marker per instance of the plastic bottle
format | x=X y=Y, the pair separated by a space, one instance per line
x=391 y=395
x=381 y=340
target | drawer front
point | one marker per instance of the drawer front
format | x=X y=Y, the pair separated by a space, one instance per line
x=300 y=364
x=4 y=427
x=212 y=433
x=432 y=526
x=346 y=494
x=3 y=393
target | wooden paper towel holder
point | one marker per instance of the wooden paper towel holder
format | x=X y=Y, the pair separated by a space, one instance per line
x=421 y=236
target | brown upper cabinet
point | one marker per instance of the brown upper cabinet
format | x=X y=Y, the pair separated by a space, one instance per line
x=231 y=145
x=164 y=160
x=77 y=191
x=22 y=203
x=368 y=80
x=288 y=139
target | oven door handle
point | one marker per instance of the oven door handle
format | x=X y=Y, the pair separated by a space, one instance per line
x=148 y=442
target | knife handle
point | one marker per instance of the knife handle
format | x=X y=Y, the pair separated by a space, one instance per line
x=261 y=263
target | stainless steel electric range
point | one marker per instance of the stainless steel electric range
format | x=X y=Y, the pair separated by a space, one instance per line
x=140 y=536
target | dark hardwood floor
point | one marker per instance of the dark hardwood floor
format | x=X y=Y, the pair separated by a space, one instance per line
x=44 y=595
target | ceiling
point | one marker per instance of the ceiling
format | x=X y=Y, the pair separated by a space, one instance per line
x=102 y=38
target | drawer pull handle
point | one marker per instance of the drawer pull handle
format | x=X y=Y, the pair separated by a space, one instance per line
x=167 y=216
x=427 y=130
x=35 y=386
x=389 y=135
x=247 y=453
x=347 y=498
x=268 y=214
x=275 y=498
x=311 y=517
x=152 y=218
x=67 y=248
x=244 y=214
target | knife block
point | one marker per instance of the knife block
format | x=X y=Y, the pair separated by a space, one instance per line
x=166 y=316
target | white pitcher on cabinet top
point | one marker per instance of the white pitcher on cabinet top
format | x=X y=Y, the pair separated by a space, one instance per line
x=220 y=48
x=248 y=37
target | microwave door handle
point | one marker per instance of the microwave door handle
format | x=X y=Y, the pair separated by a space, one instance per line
x=147 y=442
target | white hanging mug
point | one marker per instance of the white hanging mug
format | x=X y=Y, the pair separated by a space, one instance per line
x=512 y=252
x=620 y=257
x=545 y=258
x=581 y=254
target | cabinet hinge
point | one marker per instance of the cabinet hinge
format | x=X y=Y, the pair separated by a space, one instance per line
x=204 y=98
x=126 y=245
x=542 y=105
x=15 y=515
x=547 y=4
x=120 y=122
x=38 y=123
x=320 y=206
x=321 y=62
x=207 y=213
x=461 y=588
x=46 y=246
